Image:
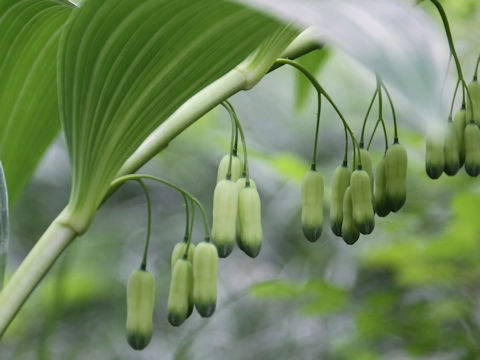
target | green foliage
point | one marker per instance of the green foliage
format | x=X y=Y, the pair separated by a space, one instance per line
x=289 y=165
x=404 y=294
x=317 y=297
x=29 y=120
x=121 y=75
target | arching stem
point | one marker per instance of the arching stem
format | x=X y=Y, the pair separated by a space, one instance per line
x=451 y=45
x=125 y=178
x=322 y=91
x=362 y=136
x=234 y=117
x=143 y=266
x=187 y=218
x=189 y=238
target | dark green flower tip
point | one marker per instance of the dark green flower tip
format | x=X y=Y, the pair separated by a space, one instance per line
x=251 y=250
x=382 y=210
x=312 y=233
x=239 y=243
x=176 y=319
x=396 y=203
x=434 y=172
x=451 y=168
x=205 y=309
x=472 y=170
x=365 y=227
x=138 y=341
x=224 y=250
x=190 y=310
x=336 y=227
x=350 y=237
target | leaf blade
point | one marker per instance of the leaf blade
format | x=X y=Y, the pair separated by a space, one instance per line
x=395 y=40
x=29 y=34
x=137 y=70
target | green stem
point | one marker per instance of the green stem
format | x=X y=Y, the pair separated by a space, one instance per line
x=233 y=115
x=235 y=145
x=322 y=91
x=373 y=134
x=319 y=111
x=475 y=74
x=380 y=113
x=204 y=101
x=379 y=121
x=317 y=126
x=232 y=146
x=125 y=178
x=385 y=135
x=143 y=266
x=362 y=137
x=185 y=255
x=345 y=156
x=453 y=100
x=394 y=115
x=187 y=218
x=446 y=25
x=32 y=269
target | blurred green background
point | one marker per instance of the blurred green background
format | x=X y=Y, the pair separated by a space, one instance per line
x=408 y=291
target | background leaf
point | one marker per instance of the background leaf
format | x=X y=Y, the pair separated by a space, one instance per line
x=124 y=67
x=29 y=120
x=393 y=39
x=318 y=297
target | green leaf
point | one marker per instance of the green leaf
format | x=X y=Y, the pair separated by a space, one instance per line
x=319 y=297
x=313 y=62
x=289 y=165
x=3 y=225
x=29 y=120
x=395 y=40
x=275 y=289
x=125 y=66
x=327 y=298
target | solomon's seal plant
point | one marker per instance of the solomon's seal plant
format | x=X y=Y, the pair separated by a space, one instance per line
x=119 y=69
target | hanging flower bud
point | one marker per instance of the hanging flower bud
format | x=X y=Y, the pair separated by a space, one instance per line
x=140 y=303
x=434 y=157
x=340 y=183
x=205 y=267
x=225 y=204
x=181 y=288
x=472 y=149
x=473 y=103
x=350 y=233
x=396 y=160
x=380 y=197
x=452 y=153
x=312 y=205
x=363 y=216
x=250 y=221
x=460 y=122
